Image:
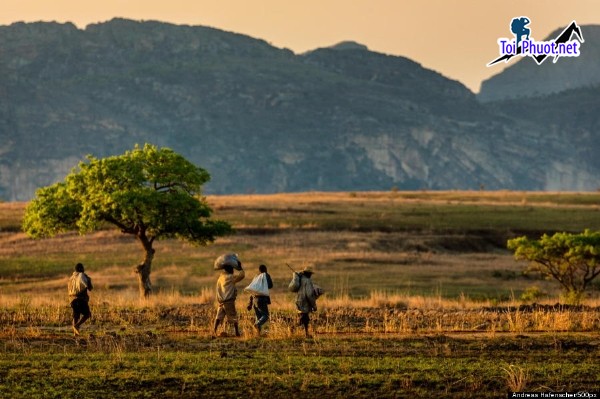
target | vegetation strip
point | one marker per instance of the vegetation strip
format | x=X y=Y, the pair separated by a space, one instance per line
x=168 y=365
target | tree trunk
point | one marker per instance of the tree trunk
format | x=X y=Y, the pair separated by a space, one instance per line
x=143 y=269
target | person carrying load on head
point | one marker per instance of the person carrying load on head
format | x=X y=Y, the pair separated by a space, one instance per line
x=227 y=291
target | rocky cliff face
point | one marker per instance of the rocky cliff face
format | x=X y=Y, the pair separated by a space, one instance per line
x=571 y=119
x=258 y=118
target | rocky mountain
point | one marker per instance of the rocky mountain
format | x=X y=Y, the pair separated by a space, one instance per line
x=563 y=99
x=259 y=118
x=573 y=117
x=526 y=79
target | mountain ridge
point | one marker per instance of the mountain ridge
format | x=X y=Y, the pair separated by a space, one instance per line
x=258 y=118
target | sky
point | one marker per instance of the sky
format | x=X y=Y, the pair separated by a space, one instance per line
x=456 y=38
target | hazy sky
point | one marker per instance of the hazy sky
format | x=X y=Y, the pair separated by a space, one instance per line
x=454 y=37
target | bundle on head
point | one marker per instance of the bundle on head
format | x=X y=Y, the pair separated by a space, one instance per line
x=231 y=260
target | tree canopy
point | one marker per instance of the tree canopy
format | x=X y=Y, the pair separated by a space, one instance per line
x=149 y=192
x=571 y=259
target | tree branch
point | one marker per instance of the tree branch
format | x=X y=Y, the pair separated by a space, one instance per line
x=124 y=228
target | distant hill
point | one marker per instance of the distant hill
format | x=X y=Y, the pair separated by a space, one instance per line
x=571 y=116
x=259 y=118
x=563 y=100
x=525 y=78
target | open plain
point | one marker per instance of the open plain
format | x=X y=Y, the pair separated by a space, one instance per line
x=422 y=300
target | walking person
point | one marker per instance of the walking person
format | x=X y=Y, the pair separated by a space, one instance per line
x=226 y=296
x=306 y=298
x=79 y=285
x=260 y=298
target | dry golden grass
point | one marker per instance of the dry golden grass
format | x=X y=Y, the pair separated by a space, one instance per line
x=507 y=197
x=379 y=313
x=398 y=281
x=349 y=264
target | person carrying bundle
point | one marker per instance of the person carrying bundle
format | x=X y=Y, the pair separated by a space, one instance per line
x=306 y=298
x=259 y=298
x=78 y=286
x=227 y=291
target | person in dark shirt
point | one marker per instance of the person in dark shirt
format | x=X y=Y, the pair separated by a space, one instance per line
x=261 y=302
x=79 y=285
x=306 y=299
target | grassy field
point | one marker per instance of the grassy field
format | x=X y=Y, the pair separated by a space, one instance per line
x=422 y=300
x=169 y=365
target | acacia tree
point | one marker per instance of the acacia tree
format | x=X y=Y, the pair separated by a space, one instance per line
x=148 y=192
x=571 y=259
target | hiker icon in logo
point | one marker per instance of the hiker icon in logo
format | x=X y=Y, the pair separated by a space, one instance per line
x=518 y=27
x=525 y=46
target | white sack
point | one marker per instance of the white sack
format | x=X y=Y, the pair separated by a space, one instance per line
x=259 y=285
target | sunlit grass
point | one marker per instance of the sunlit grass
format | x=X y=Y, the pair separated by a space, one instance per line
x=421 y=299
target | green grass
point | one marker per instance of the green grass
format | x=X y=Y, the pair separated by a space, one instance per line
x=506 y=197
x=392 y=212
x=386 y=367
x=397 y=211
